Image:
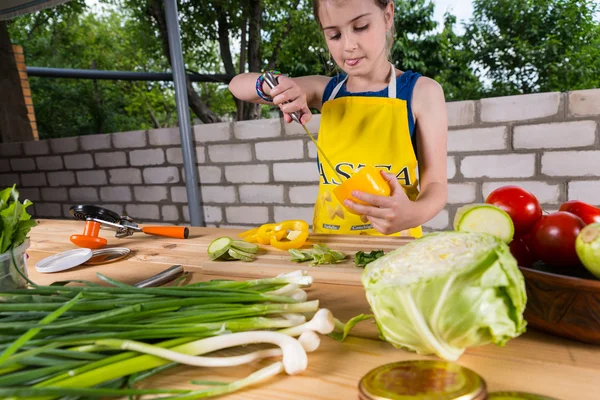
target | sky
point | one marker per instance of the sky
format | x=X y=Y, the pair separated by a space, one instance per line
x=462 y=9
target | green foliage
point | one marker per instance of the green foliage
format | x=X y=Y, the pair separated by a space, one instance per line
x=508 y=47
x=535 y=45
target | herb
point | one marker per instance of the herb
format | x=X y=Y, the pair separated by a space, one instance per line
x=320 y=254
x=15 y=222
x=361 y=259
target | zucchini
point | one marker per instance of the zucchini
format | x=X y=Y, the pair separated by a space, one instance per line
x=485 y=218
x=240 y=254
x=245 y=246
x=218 y=247
x=227 y=249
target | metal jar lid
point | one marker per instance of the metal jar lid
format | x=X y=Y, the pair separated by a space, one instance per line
x=422 y=380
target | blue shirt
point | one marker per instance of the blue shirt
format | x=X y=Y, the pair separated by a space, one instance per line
x=405 y=83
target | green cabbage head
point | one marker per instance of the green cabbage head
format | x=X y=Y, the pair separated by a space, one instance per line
x=445 y=292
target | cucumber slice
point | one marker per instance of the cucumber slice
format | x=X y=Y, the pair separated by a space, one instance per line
x=218 y=247
x=240 y=254
x=244 y=246
x=484 y=218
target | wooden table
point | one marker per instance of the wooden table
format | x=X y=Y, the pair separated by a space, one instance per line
x=534 y=362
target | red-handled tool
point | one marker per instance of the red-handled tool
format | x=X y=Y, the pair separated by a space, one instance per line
x=95 y=217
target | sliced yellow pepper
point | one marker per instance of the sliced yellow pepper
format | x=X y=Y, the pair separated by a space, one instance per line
x=295 y=233
x=267 y=231
x=368 y=180
x=247 y=233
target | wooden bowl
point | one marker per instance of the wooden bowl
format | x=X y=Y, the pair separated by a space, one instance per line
x=563 y=305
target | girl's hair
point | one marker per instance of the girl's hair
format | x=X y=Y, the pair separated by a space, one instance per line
x=391 y=33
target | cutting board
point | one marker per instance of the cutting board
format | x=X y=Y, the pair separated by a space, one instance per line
x=52 y=236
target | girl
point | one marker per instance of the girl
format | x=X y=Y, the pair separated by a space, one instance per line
x=373 y=114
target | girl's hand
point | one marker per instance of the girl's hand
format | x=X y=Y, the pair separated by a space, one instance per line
x=387 y=214
x=290 y=98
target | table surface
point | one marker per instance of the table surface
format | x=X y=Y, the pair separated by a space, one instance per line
x=534 y=362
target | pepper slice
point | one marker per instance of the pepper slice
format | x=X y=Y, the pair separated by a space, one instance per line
x=267 y=231
x=368 y=180
x=295 y=233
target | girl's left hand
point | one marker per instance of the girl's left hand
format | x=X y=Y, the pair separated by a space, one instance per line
x=387 y=214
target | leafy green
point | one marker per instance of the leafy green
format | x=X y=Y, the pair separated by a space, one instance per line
x=445 y=292
x=15 y=222
x=320 y=254
x=361 y=258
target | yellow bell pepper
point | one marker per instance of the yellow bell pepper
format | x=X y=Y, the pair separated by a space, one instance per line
x=268 y=231
x=295 y=235
x=368 y=180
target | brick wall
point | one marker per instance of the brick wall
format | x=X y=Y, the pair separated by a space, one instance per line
x=20 y=59
x=258 y=171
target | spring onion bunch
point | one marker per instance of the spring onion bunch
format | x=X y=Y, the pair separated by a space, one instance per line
x=89 y=341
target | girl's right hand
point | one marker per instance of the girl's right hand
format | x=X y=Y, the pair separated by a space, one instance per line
x=290 y=98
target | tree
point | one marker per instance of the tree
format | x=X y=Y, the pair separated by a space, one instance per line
x=535 y=45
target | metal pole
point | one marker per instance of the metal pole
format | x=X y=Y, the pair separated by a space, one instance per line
x=185 y=129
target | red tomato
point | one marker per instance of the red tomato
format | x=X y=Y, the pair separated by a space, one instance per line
x=553 y=239
x=588 y=213
x=520 y=250
x=522 y=206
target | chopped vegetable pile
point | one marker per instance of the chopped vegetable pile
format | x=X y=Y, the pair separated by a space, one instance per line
x=320 y=254
x=361 y=259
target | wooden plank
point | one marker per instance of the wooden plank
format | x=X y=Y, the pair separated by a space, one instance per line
x=53 y=236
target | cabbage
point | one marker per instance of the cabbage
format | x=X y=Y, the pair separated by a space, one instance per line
x=445 y=292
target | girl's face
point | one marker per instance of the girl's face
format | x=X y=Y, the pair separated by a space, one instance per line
x=355 y=32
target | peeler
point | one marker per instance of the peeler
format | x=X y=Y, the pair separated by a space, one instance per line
x=95 y=217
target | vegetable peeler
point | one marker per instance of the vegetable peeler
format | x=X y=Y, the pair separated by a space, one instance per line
x=95 y=217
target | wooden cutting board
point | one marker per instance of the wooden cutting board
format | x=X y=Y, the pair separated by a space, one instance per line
x=52 y=236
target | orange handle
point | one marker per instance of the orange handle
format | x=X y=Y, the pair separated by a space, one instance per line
x=177 y=232
x=90 y=238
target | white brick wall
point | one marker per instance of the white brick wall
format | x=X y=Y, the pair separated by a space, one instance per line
x=91 y=178
x=285 y=213
x=161 y=175
x=147 y=157
x=230 y=153
x=111 y=159
x=218 y=194
x=462 y=193
x=264 y=128
x=247 y=215
x=460 y=113
x=260 y=171
x=79 y=161
x=296 y=172
x=280 y=150
x=50 y=163
x=64 y=145
x=557 y=135
x=295 y=128
x=586 y=191
x=478 y=139
x=220 y=132
x=571 y=163
x=123 y=176
x=520 y=108
x=303 y=194
x=261 y=193
x=583 y=103
x=247 y=173
x=439 y=222
x=498 y=166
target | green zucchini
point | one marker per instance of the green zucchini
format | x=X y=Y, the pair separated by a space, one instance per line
x=227 y=249
x=484 y=218
x=218 y=247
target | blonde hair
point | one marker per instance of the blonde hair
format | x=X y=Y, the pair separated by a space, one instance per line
x=390 y=34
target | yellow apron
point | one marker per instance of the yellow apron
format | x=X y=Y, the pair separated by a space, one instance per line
x=360 y=130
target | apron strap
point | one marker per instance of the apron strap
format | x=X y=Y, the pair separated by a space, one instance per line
x=391 y=87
